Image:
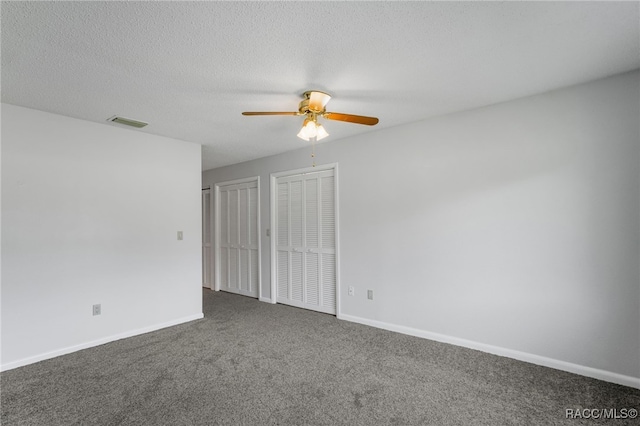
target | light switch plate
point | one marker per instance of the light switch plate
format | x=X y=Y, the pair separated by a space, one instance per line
x=179 y=235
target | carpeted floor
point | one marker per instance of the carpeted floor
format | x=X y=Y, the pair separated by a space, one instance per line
x=252 y=363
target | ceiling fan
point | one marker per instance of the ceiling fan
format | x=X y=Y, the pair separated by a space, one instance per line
x=313 y=106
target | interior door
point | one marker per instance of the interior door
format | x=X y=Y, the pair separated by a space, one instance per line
x=305 y=241
x=206 y=239
x=238 y=238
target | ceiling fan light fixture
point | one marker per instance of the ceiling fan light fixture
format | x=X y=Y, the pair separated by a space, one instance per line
x=302 y=135
x=312 y=106
x=309 y=130
x=321 y=132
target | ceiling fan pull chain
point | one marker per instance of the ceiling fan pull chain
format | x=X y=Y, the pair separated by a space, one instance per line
x=313 y=151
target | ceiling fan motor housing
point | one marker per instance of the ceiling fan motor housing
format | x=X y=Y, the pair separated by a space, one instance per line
x=304 y=106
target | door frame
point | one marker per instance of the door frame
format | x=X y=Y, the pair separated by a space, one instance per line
x=216 y=269
x=208 y=219
x=273 y=219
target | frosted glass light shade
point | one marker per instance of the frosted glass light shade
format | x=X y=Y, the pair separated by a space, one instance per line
x=321 y=133
x=303 y=135
x=311 y=129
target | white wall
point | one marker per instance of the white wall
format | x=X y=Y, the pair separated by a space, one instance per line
x=89 y=215
x=512 y=229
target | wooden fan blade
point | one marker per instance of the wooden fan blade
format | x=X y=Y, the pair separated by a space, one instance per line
x=318 y=100
x=359 y=119
x=269 y=113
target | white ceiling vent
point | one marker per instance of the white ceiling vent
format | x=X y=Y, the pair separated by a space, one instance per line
x=127 y=121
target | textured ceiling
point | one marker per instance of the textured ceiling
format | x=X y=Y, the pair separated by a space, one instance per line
x=191 y=68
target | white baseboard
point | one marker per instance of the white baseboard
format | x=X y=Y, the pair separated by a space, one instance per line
x=266 y=299
x=582 y=370
x=98 y=342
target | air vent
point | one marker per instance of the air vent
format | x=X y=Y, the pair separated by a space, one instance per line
x=127 y=121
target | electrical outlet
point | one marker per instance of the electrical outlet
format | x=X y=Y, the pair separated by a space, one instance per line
x=180 y=235
x=370 y=294
x=97 y=310
x=352 y=291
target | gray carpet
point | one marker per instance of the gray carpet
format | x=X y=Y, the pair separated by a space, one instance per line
x=252 y=363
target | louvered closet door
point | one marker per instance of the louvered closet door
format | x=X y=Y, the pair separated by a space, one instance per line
x=238 y=246
x=305 y=241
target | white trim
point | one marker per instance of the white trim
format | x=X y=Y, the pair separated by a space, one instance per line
x=259 y=231
x=272 y=223
x=272 y=226
x=267 y=300
x=216 y=226
x=212 y=236
x=75 y=348
x=336 y=215
x=208 y=219
x=216 y=238
x=306 y=170
x=238 y=181
x=582 y=370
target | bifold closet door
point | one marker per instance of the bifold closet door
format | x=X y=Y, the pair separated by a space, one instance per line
x=305 y=241
x=238 y=233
